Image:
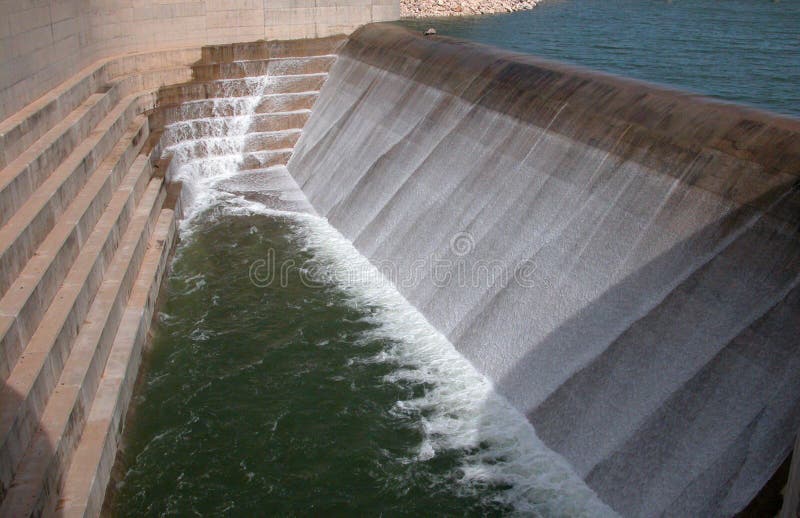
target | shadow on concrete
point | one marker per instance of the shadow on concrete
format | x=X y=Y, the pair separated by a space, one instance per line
x=680 y=404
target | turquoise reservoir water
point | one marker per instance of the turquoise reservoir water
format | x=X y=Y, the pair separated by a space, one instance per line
x=747 y=51
x=286 y=377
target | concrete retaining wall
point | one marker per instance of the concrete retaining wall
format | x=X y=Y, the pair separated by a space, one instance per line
x=42 y=42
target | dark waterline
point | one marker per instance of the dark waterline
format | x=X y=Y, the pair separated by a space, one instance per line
x=746 y=51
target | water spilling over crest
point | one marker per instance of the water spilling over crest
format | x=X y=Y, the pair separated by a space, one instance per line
x=210 y=149
x=288 y=374
x=641 y=247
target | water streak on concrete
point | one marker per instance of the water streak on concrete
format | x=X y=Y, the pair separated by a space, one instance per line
x=649 y=238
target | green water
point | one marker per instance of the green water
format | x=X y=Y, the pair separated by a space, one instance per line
x=316 y=391
x=266 y=400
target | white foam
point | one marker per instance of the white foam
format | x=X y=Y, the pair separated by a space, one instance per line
x=460 y=410
x=208 y=151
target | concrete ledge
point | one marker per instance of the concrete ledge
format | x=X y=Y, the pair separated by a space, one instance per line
x=51 y=448
x=273 y=66
x=21 y=130
x=85 y=483
x=205 y=108
x=29 y=295
x=259 y=50
x=34 y=376
x=176 y=94
x=31 y=223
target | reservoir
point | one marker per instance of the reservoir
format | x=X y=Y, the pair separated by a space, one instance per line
x=738 y=50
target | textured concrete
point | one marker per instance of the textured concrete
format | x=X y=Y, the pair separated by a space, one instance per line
x=84 y=485
x=44 y=42
x=646 y=308
x=85 y=238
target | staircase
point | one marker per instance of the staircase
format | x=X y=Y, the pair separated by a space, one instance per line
x=245 y=109
x=86 y=227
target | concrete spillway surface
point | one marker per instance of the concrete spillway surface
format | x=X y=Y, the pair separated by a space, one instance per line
x=642 y=304
x=615 y=262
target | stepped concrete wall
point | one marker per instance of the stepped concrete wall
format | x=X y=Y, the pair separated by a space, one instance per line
x=621 y=259
x=86 y=226
x=42 y=42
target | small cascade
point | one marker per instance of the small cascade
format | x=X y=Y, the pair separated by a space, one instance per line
x=234 y=146
x=210 y=149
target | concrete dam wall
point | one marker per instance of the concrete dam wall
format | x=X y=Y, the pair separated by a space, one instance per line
x=43 y=43
x=621 y=260
x=636 y=251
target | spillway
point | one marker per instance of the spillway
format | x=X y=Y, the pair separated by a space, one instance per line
x=636 y=248
x=389 y=391
x=584 y=288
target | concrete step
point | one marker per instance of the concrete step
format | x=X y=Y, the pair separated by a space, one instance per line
x=30 y=169
x=266 y=141
x=22 y=129
x=244 y=161
x=271 y=49
x=265 y=159
x=263 y=67
x=83 y=488
x=201 y=129
x=26 y=229
x=31 y=382
x=30 y=294
x=62 y=421
x=197 y=90
x=273 y=187
x=231 y=107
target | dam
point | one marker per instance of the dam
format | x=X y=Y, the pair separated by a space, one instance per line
x=524 y=286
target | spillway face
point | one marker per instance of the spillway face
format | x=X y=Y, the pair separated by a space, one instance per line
x=225 y=139
x=621 y=260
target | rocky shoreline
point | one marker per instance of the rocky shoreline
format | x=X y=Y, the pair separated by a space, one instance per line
x=424 y=8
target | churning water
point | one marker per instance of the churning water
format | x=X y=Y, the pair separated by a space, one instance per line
x=318 y=392
x=746 y=51
x=288 y=376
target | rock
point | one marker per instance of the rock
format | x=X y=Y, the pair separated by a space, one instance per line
x=430 y=32
x=421 y=8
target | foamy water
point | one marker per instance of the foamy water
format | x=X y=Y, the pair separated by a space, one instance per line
x=459 y=410
x=208 y=150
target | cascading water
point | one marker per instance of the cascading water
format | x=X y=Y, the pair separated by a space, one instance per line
x=207 y=150
x=290 y=374
x=636 y=249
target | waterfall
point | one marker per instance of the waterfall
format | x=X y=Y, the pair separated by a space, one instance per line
x=210 y=149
